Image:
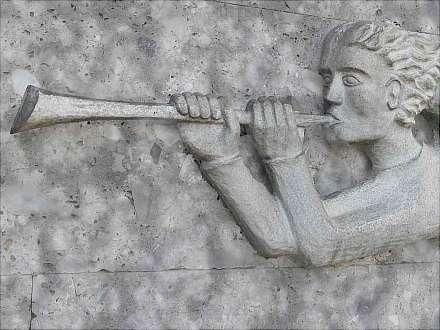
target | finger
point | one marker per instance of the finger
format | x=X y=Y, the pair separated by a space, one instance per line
x=204 y=107
x=231 y=120
x=280 y=116
x=180 y=103
x=268 y=111
x=295 y=104
x=216 y=111
x=301 y=133
x=258 y=116
x=193 y=105
x=261 y=99
x=290 y=115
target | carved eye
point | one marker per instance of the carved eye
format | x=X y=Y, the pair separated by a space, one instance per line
x=350 y=80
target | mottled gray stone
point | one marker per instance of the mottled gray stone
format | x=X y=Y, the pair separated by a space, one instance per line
x=419 y=16
x=15 y=301
x=68 y=202
x=127 y=196
x=387 y=297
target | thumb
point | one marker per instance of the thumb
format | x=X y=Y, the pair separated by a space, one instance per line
x=231 y=120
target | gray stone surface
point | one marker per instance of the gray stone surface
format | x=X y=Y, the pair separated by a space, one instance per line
x=126 y=196
x=419 y=16
x=15 y=301
x=386 y=297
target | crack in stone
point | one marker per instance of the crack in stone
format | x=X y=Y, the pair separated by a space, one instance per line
x=129 y=195
x=32 y=316
x=279 y=10
x=301 y=14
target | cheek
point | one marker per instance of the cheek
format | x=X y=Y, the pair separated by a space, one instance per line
x=368 y=101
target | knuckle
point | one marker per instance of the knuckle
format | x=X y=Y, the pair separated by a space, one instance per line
x=214 y=105
x=220 y=100
x=214 y=101
x=268 y=104
x=180 y=99
x=261 y=99
x=258 y=108
x=198 y=95
x=251 y=105
x=287 y=107
x=174 y=98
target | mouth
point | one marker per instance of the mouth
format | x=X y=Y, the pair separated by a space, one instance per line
x=335 y=121
x=329 y=110
x=332 y=115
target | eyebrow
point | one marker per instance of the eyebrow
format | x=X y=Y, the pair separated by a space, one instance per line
x=349 y=68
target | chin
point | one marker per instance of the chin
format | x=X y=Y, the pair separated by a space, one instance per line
x=339 y=133
x=344 y=132
x=332 y=136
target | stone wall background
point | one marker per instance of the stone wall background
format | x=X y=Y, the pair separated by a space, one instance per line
x=110 y=224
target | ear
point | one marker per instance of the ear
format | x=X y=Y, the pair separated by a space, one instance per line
x=393 y=92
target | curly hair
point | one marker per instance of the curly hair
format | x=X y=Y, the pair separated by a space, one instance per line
x=413 y=57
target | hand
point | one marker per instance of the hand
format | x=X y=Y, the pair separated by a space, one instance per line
x=274 y=128
x=207 y=141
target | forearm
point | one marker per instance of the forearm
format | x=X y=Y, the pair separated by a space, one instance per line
x=255 y=209
x=317 y=238
x=361 y=222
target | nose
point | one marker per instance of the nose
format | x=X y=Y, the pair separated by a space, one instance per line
x=334 y=93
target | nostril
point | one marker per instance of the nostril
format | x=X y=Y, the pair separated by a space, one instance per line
x=332 y=100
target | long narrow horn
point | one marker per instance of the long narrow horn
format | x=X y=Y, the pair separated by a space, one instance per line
x=40 y=108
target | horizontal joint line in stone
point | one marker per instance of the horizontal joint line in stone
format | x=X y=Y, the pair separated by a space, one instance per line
x=217 y=269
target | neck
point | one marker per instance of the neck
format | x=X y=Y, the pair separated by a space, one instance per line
x=399 y=147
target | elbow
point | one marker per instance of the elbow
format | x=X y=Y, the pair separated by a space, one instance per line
x=320 y=254
x=315 y=256
x=269 y=249
x=319 y=258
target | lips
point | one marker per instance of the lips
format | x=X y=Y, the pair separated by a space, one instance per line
x=330 y=112
x=332 y=115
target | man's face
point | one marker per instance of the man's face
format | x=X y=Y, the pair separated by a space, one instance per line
x=355 y=92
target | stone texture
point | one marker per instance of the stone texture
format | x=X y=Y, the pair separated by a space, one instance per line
x=69 y=202
x=414 y=15
x=15 y=302
x=126 y=196
x=387 y=297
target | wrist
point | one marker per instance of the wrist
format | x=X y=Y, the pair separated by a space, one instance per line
x=283 y=159
x=220 y=161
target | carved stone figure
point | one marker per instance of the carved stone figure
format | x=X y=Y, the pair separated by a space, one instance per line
x=378 y=78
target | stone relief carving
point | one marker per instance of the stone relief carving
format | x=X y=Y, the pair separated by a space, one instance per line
x=377 y=80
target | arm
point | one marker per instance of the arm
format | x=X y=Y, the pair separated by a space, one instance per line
x=365 y=219
x=255 y=209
